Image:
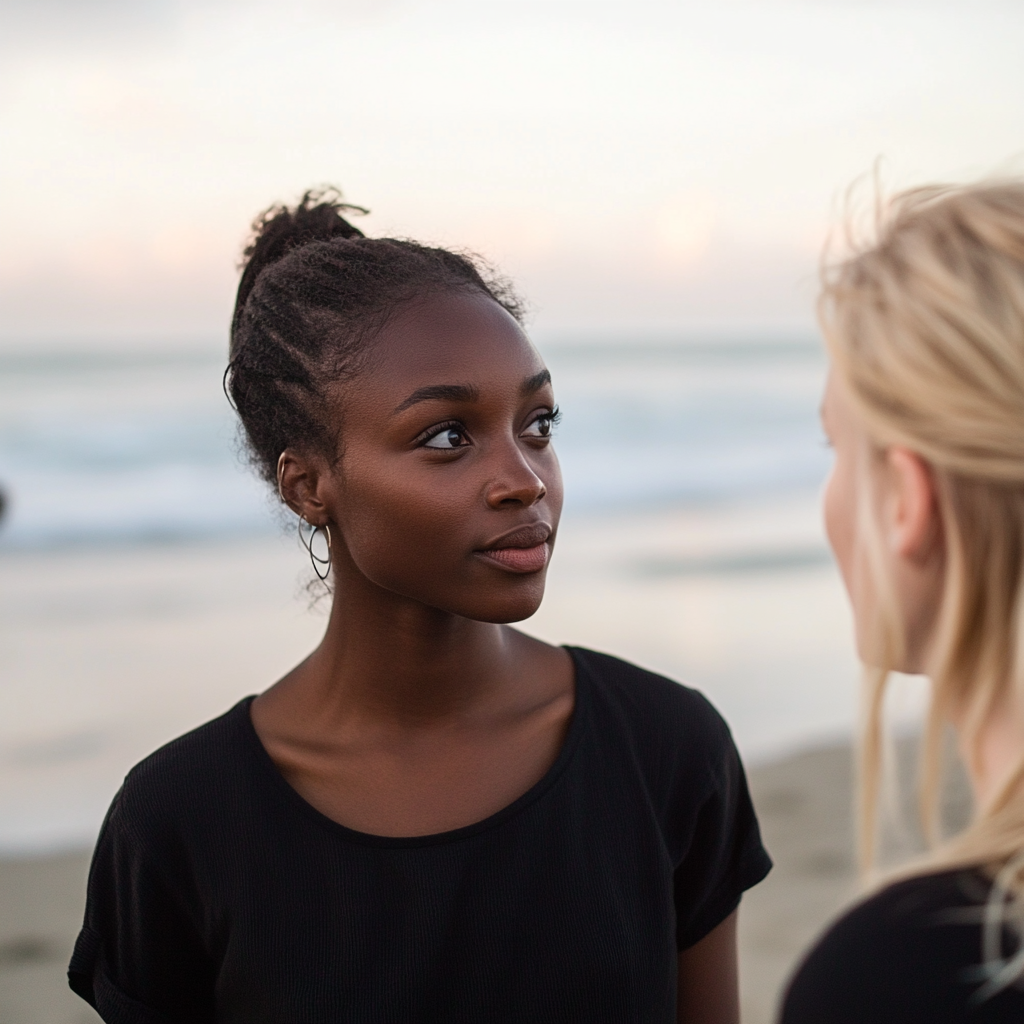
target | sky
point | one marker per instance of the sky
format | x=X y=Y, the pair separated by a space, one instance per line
x=639 y=168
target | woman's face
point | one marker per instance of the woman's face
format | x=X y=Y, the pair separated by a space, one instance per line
x=448 y=491
x=845 y=436
x=902 y=502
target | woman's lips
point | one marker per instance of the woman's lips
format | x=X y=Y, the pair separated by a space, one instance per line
x=523 y=560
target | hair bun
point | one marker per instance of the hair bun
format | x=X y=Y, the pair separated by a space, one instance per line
x=279 y=229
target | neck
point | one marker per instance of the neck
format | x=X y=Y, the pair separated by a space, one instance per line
x=997 y=754
x=391 y=657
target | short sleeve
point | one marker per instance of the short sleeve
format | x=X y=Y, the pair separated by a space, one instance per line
x=139 y=958
x=725 y=856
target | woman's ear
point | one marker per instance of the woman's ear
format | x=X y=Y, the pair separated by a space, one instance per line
x=912 y=522
x=299 y=482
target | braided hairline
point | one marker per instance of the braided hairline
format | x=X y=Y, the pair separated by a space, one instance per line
x=308 y=318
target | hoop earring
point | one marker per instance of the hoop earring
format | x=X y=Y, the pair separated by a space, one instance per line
x=280 y=471
x=316 y=560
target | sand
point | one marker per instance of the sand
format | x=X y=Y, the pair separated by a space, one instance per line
x=41 y=902
x=803 y=803
x=804 y=806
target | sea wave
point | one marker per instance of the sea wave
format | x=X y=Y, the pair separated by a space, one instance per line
x=137 y=447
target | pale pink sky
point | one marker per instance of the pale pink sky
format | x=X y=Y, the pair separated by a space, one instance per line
x=641 y=167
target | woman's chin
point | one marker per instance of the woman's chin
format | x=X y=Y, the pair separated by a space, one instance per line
x=509 y=608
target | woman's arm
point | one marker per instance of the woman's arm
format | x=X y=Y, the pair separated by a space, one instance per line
x=708 y=990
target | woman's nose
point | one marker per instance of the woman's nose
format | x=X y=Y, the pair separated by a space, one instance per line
x=514 y=481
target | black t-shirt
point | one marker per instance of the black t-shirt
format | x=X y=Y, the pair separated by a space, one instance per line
x=218 y=894
x=909 y=955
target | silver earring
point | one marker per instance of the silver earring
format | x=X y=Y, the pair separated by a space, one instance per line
x=318 y=562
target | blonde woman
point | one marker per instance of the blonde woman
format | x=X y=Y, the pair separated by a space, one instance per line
x=925 y=513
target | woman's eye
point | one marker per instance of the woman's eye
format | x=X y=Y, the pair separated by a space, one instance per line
x=541 y=426
x=447 y=439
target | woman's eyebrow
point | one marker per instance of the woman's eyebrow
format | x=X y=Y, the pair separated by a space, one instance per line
x=466 y=392
x=535 y=383
x=440 y=392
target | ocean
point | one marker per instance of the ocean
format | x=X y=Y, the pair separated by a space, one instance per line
x=141 y=447
x=148 y=581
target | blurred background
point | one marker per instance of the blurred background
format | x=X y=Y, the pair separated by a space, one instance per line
x=659 y=180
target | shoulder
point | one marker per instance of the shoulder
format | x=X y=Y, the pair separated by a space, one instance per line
x=676 y=746
x=907 y=953
x=679 y=744
x=210 y=746
x=646 y=693
x=195 y=771
x=654 y=708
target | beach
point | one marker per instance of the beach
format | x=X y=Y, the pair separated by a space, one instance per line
x=669 y=188
x=146 y=585
x=108 y=652
x=803 y=803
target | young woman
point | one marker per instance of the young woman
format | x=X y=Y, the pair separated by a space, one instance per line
x=434 y=817
x=925 y=512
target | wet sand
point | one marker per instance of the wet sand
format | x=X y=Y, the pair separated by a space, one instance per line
x=803 y=802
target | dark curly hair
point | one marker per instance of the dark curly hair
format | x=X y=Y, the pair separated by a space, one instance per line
x=313 y=294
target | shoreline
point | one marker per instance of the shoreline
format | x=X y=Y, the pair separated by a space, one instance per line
x=803 y=803
x=109 y=654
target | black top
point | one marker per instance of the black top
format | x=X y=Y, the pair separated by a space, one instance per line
x=218 y=894
x=909 y=955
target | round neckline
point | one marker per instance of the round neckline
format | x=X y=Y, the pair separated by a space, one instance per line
x=284 y=789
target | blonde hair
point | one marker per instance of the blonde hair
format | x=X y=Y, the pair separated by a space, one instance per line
x=925 y=328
